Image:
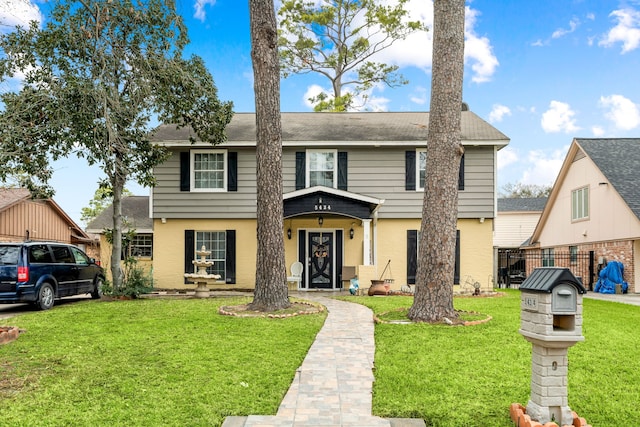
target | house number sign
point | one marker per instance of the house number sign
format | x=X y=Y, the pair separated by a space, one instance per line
x=530 y=302
x=321 y=206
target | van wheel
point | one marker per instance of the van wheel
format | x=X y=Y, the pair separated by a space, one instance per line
x=45 y=297
x=97 y=289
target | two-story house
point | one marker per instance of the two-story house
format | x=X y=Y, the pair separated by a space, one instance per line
x=353 y=190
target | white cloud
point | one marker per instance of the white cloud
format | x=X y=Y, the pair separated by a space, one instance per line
x=543 y=166
x=18 y=12
x=498 y=112
x=621 y=111
x=560 y=32
x=199 y=6
x=627 y=30
x=312 y=92
x=419 y=95
x=371 y=103
x=506 y=157
x=559 y=118
x=597 y=131
x=417 y=49
x=478 y=50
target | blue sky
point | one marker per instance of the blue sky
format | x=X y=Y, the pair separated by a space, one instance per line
x=542 y=72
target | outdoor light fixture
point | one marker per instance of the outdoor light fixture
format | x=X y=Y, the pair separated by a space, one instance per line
x=289 y=233
x=351 y=233
x=320 y=221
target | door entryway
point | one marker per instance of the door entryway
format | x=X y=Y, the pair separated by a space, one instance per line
x=321 y=259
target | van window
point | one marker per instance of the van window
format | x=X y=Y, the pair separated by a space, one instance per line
x=9 y=255
x=62 y=254
x=39 y=253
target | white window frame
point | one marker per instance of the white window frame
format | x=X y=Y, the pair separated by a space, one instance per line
x=197 y=241
x=192 y=178
x=419 y=153
x=580 y=204
x=142 y=240
x=308 y=166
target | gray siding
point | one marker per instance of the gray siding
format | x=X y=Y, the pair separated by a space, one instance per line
x=375 y=172
x=170 y=202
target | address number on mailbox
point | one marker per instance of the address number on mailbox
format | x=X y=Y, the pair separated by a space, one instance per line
x=530 y=302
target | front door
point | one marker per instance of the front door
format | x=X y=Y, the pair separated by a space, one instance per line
x=321 y=260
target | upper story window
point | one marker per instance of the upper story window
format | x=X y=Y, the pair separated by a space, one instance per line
x=321 y=168
x=208 y=170
x=580 y=203
x=416 y=170
x=421 y=170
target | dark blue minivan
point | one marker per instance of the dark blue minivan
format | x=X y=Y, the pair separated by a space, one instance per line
x=40 y=272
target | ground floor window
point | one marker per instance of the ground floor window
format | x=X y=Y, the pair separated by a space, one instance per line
x=412 y=257
x=548 y=258
x=216 y=242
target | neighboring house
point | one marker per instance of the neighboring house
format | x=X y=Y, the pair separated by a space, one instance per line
x=594 y=208
x=353 y=190
x=24 y=218
x=135 y=213
x=514 y=225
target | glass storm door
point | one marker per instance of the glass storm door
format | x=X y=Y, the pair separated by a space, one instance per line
x=321 y=260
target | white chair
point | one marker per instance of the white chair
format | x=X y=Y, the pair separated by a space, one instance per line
x=296 y=275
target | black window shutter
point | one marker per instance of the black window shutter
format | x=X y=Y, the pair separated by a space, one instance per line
x=185 y=171
x=410 y=170
x=232 y=171
x=189 y=251
x=339 y=256
x=456 y=267
x=342 y=170
x=412 y=256
x=461 y=174
x=230 y=273
x=300 y=170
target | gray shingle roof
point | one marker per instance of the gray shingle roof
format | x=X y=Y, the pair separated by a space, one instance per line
x=134 y=208
x=344 y=127
x=619 y=160
x=526 y=204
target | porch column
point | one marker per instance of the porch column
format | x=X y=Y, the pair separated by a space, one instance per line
x=366 y=242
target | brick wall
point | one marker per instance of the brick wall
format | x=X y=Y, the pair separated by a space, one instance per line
x=621 y=251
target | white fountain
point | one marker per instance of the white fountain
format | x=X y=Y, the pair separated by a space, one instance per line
x=201 y=278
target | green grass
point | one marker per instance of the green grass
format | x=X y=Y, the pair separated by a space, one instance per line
x=148 y=363
x=179 y=363
x=468 y=376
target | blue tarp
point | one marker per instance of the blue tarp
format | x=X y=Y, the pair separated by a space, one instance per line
x=611 y=275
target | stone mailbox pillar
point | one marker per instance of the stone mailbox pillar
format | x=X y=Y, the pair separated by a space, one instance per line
x=551 y=319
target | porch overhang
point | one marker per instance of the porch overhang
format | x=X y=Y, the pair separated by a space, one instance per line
x=329 y=201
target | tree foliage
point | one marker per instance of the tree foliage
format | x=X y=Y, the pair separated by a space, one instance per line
x=522 y=191
x=339 y=39
x=102 y=199
x=94 y=77
x=270 y=292
x=433 y=300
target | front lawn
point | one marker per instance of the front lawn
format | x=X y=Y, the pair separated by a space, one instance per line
x=468 y=376
x=178 y=363
x=148 y=363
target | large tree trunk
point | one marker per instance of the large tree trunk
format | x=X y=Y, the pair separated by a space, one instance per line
x=433 y=298
x=271 y=287
x=117 y=186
